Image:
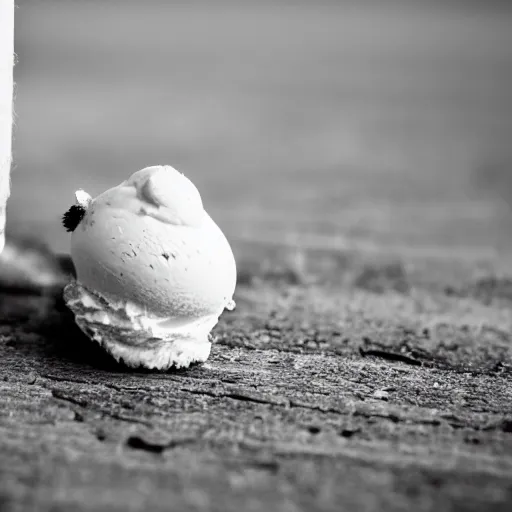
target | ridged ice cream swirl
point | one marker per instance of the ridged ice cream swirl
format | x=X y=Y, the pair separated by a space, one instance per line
x=149 y=251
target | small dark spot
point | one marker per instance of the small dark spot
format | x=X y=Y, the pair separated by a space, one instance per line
x=137 y=443
x=506 y=426
x=165 y=255
x=78 y=417
x=101 y=436
x=435 y=480
x=121 y=274
x=127 y=405
x=108 y=203
x=313 y=429
x=349 y=432
x=450 y=291
x=151 y=266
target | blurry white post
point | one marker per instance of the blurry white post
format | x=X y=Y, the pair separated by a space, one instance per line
x=6 y=98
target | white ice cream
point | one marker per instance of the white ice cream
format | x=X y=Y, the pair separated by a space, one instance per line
x=154 y=271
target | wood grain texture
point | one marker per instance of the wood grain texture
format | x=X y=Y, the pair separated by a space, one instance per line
x=350 y=155
x=316 y=397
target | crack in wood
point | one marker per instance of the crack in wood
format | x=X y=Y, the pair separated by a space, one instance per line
x=390 y=356
x=241 y=396
x=57 y=393
x=140 y=443
x=60 y=395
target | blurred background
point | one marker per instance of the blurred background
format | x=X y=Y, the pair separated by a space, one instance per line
x=379 y=123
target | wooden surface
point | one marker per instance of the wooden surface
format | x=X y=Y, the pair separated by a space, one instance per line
x=357 y=155
x=384 y=393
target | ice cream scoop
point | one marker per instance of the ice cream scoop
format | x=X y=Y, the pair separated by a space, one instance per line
x=153 y=270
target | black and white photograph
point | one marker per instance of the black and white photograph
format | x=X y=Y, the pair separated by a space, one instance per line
x=255 y=256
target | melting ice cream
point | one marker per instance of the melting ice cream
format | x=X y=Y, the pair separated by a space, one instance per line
x=154 y=271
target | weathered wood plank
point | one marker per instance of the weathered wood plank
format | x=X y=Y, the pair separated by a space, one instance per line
x=314 y=398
